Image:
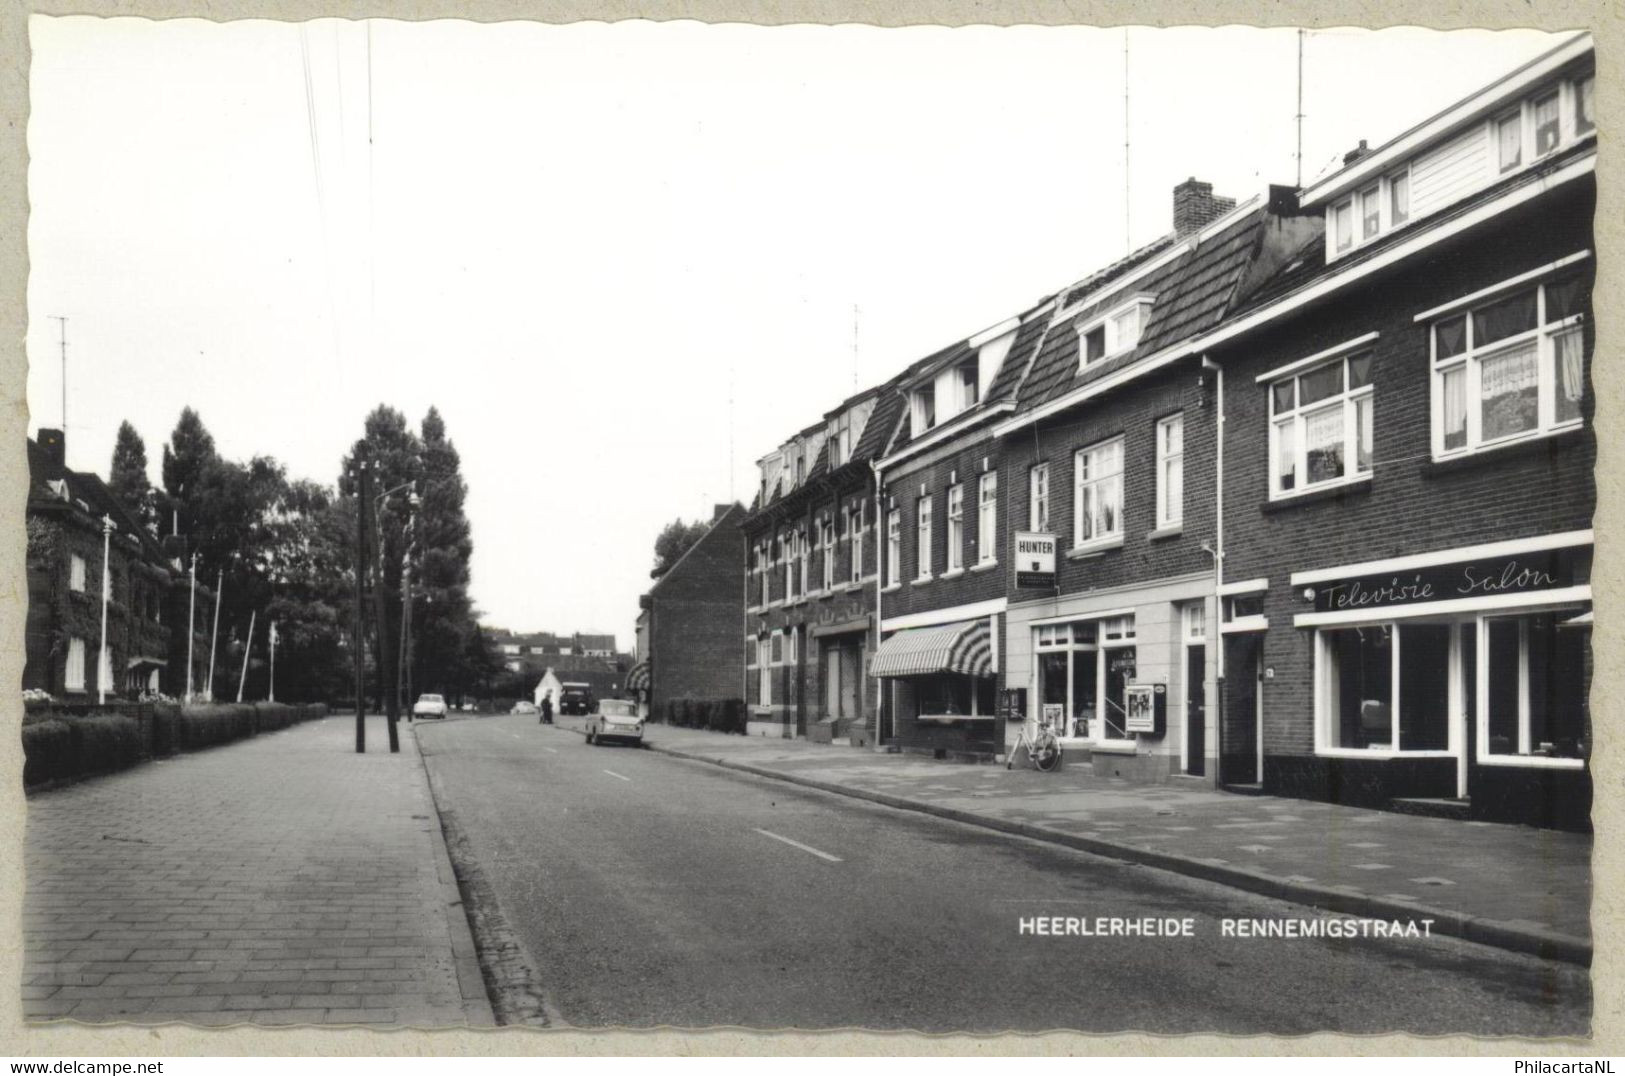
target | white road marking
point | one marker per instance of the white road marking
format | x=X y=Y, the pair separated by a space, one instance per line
x=612 y=773
x=798 y=844
x=551 y=750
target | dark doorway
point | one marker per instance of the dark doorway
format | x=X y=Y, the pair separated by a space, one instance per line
x=1195 y=711
x=1238 y=757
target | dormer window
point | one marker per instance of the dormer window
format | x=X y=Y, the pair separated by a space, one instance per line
x=1370 y=212
x=1115 y=334
x=1546 y=126
x=924 y=401
x=1585 y=116
x=1509 y=141
x=969 y=385
x=1399 y=198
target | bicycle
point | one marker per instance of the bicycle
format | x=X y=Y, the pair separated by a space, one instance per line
x=1043 y=748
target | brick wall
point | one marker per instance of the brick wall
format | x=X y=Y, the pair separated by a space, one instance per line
x=1411 y=505
x=964 y=465
x=694 y=631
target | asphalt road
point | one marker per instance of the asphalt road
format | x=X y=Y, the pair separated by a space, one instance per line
x=649 y=891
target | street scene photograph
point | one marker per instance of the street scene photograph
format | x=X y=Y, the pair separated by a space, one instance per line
x=679 y=526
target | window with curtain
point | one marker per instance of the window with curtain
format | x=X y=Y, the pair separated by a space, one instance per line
x=1321 y=425
x=1097 y=511
x=1511 y=368
x=987 y=508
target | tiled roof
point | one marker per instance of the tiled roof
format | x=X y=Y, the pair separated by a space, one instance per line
x=1088 y=284
x=1192 y=293
x=1310 y=263
x=1009 y=377
x=97 y=496
x=882 y=420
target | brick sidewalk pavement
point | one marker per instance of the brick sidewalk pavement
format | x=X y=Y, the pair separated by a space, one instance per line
x=1515 y=886
x=281 y=880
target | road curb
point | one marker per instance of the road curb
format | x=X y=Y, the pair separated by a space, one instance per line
x=1549 y=945
x=470 y=979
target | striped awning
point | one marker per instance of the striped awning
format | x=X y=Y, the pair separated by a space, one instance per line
x=638 y=678
x=964 y=647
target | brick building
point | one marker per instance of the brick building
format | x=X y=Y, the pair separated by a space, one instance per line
x=689 y=624
x=1408 y=471
x=1110 y=461
x=811 y=539
x=148 y=599
x=944 y=580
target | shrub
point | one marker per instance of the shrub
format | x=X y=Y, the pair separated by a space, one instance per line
x=734 y=716
x=47 y=751
x=107 y=742
x=269 y=716
x=166 y=717
x=205 y=726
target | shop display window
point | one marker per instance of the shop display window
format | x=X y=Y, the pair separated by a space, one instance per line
x=1534 y=687
x=1386 y=687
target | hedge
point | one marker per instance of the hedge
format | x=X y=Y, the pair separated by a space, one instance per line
x=47 y=751
x=73 y=739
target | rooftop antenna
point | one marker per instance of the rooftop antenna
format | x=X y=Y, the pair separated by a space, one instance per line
x=1301 y=35
x=854 y=347
x=731 y=433
x=1127 y=212
x=62 y=321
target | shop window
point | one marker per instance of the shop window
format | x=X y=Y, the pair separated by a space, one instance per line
x=951 y=695
x=1509 y=369
x=1386 y=687
x=1534 y=687
x=1321 y=425
x=1083 y=669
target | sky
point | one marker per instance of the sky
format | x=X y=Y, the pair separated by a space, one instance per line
x=624 y=260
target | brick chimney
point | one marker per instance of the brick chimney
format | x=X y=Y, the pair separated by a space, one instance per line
x=718 y=511
x=1356 y=153
x=55 y=448
x=1196 y=206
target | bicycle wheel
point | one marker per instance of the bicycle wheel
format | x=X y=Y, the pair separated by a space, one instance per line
x=1047 y=757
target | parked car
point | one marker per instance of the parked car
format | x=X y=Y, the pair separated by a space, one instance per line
x=430 y=706
x=523 y=706
x=615 y=719
x=575 y=698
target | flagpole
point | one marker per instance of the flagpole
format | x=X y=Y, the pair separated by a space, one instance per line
x=102 y=662
x=219 y=588
x=247 y=649
x=191 y=630
x=270 y=693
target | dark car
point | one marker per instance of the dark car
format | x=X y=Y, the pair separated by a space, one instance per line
x=576 y=699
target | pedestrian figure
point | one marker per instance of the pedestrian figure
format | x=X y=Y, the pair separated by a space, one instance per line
x=547 y=708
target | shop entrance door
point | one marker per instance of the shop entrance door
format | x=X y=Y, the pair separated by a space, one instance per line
x=1195 y=711
x=832 y=680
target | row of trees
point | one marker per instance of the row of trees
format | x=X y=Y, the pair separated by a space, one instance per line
x=284 y=549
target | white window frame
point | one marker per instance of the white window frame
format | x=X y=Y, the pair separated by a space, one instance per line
x=73 y=670
x=764 y=672
x=1118 y=341
x=922 y=538
x=804 y=560
x=1038 y=498
x=1325 y=712
x=76 y=573
x=922 y=418
x=1355 y=204
x=764 y=571
x=894 y=547
x=1081 y=488
x=1171 y=470
x=1111 y=632
x=987 y=518
x=855 y=531
x=1470 y=362
x=970 y=391
x=1297 y=417
x=827 y=532
x=956 y=528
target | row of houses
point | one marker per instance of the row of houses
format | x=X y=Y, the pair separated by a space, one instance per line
x=82 y=541
x=1296 y=499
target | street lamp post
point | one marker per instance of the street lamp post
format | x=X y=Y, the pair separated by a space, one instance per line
x=403 y=671
x=191 y=630
x=358 y=634
x=102 y=661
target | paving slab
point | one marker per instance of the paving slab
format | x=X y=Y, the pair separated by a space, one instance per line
x=283 y=879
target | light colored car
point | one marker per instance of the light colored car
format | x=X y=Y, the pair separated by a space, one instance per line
x=430 y=706
x=615 y=719
x=524 y=706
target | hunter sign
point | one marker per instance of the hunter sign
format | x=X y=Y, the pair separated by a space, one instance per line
x=1035 y=559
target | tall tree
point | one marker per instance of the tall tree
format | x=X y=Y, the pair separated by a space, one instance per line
x=127 y=475
x=441 y=548
x=187 y=456
x=673 y=541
